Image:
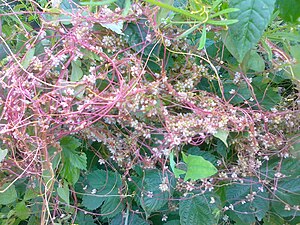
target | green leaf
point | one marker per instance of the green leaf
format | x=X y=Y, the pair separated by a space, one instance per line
x=3 y=153
x=173 y=222
x=77 y=72
x=198 y=167
x=288 y=193
x=289 y=10
x=127 y=6
x=111 y=207
x=69 y=143
x=22 y=211
x=128 y=218
x=221 y=22
x=163 y=12
x=253 y=17
x=64 y=193
x=9 y=196
x=150 y=183
x=194 y=210
x=82 y=218
x=248 y=211
x=222 y=135
x=106 y=185
x=265 y=94
x=273 y=219
x=79 y=161
x=98 y=3
x=28 y=57
x=92 y=202
x=188 y=31
x=76 y=159
x=203 y=38
x=254 y=62
x=69 y=172
x=115 y=27
x=177 y=172
x=30 y=194
x=224 y=11
x=242 y=92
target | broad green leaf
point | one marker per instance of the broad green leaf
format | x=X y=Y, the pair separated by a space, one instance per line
x=198 y=167
x=92 y=202
x=265 y=94
x=273 y=219
x=9 y=196
x=255 y=62
x=79 y=160
x=221 y=148
x=77 y=72
x=150 y=184
x=111 y=207
x=222 y=135
x=177 y=172
x=241 y=94
x=69 y=172
x=289 y=10
x=253 y=17
x=163 y=12
x=106 y=184
x=173 y=222
x=82 y=218
x=250 y=209
x=64 y=193
x=3 y=51
x=288 y=193
x=69 y=143
x=194 y=210
x=296 y=66
x=115 y=27
x=30 y=194
x=75 y=158
x=22 y=211
x=205 y=154
x=130 y=219
x=203 y=38
x=101 y=179
x=28 y=57
x=3 y=153
x=127 y=6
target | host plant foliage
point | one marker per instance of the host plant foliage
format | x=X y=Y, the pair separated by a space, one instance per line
x=149 y=112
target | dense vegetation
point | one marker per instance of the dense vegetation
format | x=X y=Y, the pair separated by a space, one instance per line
x=150 y=112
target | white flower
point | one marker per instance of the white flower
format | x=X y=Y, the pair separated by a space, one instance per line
x=232 y=92
x=149 y=194
x=234 y=175
x=225 y=218
x=101 y=161
x=212 y=200
x=93 y=191
x=148 y=37
x=164 y=218
x=167 y=42
x=164 y=185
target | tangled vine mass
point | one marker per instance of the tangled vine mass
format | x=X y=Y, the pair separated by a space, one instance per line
x=103 y=108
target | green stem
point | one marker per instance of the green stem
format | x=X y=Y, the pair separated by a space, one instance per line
x=174 y=9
